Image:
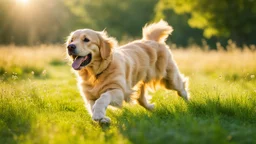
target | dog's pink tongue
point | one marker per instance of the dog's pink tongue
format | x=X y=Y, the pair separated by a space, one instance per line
x=77 y=62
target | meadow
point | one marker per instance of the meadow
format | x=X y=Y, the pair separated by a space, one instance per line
x=40 y=101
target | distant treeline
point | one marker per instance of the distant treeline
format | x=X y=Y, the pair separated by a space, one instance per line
x=194 y=21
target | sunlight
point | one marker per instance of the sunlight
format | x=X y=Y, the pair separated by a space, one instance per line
x=22 y=1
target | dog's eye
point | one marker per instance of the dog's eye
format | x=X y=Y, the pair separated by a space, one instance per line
x=71 y=40
x=86 y=40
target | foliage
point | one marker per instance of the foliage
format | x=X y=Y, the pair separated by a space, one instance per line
x=50 y=110
x=120 y=18
x=40 y=21
x=182 y=34
x=221 y=18
x=47 y=21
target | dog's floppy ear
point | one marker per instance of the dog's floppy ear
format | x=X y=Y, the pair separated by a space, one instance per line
x=106 y=44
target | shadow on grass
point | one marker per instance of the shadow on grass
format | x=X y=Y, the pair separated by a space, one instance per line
x=231 y=108
x=165 y=126
x=211 y=122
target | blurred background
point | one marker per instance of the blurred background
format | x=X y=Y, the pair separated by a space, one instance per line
x=213 y=44
x=195 y=22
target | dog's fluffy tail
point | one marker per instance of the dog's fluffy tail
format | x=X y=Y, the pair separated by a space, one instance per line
x=157 y=31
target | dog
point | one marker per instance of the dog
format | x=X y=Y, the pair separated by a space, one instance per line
x=109 y=74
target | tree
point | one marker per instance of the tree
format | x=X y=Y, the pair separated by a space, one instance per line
x=48 y=21
x=120 y=18
x=40 y=21
x=183 y=34
x=235 y=19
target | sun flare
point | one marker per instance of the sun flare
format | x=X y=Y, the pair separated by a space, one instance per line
x=22 y=1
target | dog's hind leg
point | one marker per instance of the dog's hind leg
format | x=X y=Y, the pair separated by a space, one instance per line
x=142 y=97
x=174 y=80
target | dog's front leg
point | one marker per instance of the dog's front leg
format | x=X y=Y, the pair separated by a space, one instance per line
x=114 y=97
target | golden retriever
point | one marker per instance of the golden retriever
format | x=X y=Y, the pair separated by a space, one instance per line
x=109 y=74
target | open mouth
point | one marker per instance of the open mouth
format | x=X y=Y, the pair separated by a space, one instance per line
x=81 y=61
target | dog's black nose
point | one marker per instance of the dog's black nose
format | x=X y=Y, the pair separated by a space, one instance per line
x=71 y=47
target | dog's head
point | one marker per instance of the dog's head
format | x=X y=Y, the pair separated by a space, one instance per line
x=85 y=46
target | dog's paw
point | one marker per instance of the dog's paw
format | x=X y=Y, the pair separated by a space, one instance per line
x=105 y=120
x=185 y=95
x=101 y=119
x=97 y=116
x=150 y=107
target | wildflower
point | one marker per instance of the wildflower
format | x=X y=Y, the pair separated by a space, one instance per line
x=14 y=77
x=44 y=72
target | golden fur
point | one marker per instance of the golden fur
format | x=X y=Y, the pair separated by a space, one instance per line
x=114 y=72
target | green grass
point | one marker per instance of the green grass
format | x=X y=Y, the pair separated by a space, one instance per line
x=50 y=110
